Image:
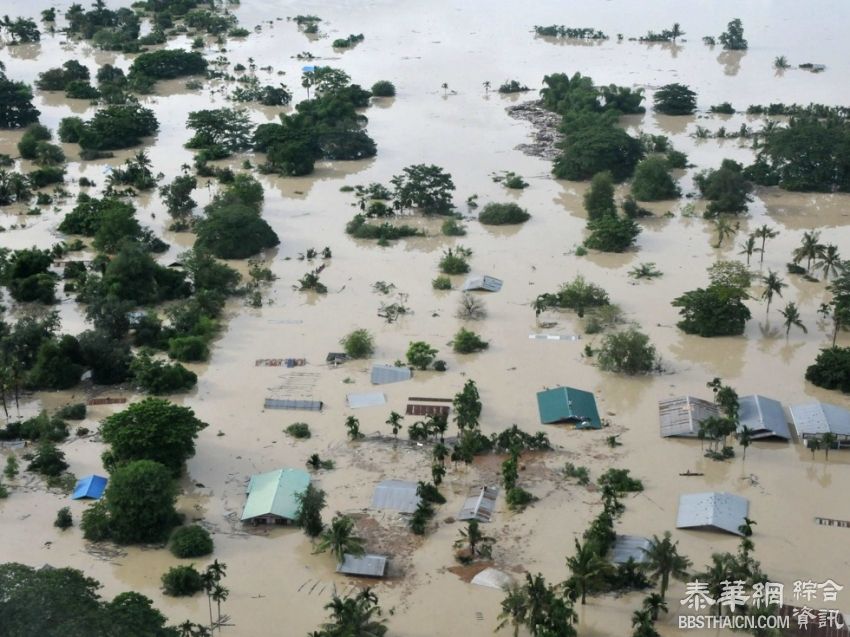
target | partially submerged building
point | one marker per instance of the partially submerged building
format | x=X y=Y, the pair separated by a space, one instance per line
x=813 y=420
x=385 y=374
x=482 y=283
x=764 y=417
x=367 y=565
x=480 y=504
x=272 y=496
x=288 y=403
x=396 y=495
x=681 y=417
x=568 y=405
x=629 y=547
x=89 y=488
x=366 y=399
x=712 y=511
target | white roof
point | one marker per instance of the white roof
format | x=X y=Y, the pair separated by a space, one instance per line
x=493 y=578
x=366 y=399
x=764 y=416
x=368 y=565
x=816 y=419
x=482 y=282
x=399 y=495
x=383 y=374
x=712 y=510
x=480 y=504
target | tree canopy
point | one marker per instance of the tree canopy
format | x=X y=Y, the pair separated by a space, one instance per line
x=675 y=99
x=234 y=231
x=717 y=310
x=16 y=109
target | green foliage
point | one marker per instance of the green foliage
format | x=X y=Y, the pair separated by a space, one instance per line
x=34 y=134
x=420 y=518
x=63 y=520
x=627 y=352
x=310 y=504
x=168 y=64
x=426 y=187
x=11 y=468
x=518 y=498
x=831 y=369
x=182 y=581
x=56 y=365
x=112 y=127
x=646 y=270
x=190 y=541
x=358 y=344
x=74 y=411
x=16 y=108
x=612 y=233
x=581 y=474
x=599 y=198
x=57 y=79
x=339 y=539
x=675 y=99
x=717 y=310
x=724 y=108
x=383 y=88
x=733 y=38
x=594 y=144
x=108 y=359
x=420 y=354
x=498 y=214
x=513 y=439
x=652 y=181
x=299 y=430
x=140 y=500
x=579 y=295
x=442 y=282
x=726 y=188
x=95 y=522
x=452 y=228
x=48 y=460
x=467 y=342
x=155 y=376
x=220 y=131
x=571 y=33
x=620 y=481
x=384 y=232
x=350 y=41
x=453 y=262
x=234 y=231
x=152 y=429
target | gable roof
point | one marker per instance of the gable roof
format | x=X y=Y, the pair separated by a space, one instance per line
x=628 y=547
x=680 y=417
x=273 y=493
x=764 y=416
x=366 y=399
x=399 y=495
x=286 y=403
x=815 y=419
x=715 y=510
x=567 y=404
x=482 y=282
x=89 y=487
x=480 y=504
x=368 y=565
x=383 y=374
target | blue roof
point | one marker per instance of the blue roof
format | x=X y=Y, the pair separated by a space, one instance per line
x=308 y=69
x=89 y=487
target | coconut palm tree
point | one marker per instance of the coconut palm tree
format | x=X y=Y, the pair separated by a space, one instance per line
x=514 y=608
x=745 y=437
x=748 y=247
x=487 y=86
x=339 y=539
x=474 y=539
x=829 y=260
x=773 y=284
x=809 y=249
x=352 y=424
x=654 y=603
x=587 y=568
x=219 y=594
x=792 y=318
x=663 y=561
x=746 y=529
x=814 y=445
x=764 y=233
x=828 y=441
x=718 y=575
x=358 y=616
x=724 y=229
x=445 y=88
x=642 y=624
x=394 y=421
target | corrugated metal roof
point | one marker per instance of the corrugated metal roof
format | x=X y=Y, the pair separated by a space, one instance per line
x=680 y=417
x=273 y=493
x=567 y=404
x=712 y=510
x=89 y=487
x=384 y=374
x=480 y=504
x=493 y=578
x=366 y=399
x=427 y=410
x=286 y=403
x=628 y=547
x=764 y=416
x=368 y=565
x=815 y=419
x=482 y=282
x=398 y=495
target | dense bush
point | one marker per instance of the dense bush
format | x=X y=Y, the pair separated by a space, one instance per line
x=48 y=460
x=189 y=349
x=497 y=214
x=726 y=188
x=467 y=342
x=158 y=377
x=75 y=411
x=112 y=127
x=182 y=581
x=612 y=233
x=675 y=99
x=63 y=520
x=652 y=181
x=831 y=369
x=299 y=430
x=16 y=109
x=453 y=262
x=168 y=64
x=234 y=232
x=420 y=354
x=383 y=88
x=358 y=344
x=58 y=79
x=29 y=140
x=717 y=310
x=627 y=352
x=191 y=541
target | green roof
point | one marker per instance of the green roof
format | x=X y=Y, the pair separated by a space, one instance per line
x=567 y=404
x=273 y=493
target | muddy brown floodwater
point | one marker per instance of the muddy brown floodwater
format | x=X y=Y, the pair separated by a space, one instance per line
x=277 y=585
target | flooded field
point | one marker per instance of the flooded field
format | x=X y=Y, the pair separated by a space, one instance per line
x=277 y=585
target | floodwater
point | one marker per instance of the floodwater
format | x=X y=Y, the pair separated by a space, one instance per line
x=274 y=579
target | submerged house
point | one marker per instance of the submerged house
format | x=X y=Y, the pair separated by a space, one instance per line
x=396 y=495
x=813 y=420
x=272 y=496
x=385 y=374
x=630 y=547
x=713 y=510
x=482 y=283
x=89 y=488
x=367 y=565
x=681 y=417
x=764 y=417
x=568 y=404
x=479 y=504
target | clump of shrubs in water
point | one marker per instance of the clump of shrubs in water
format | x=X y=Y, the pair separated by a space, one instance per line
x=351 y=40
x=451 y=228
x=454 y=262
x=359 y=229
x=442 y=282
x=383 y=88
x=191 y=541
x=468 y=342
x=513 y=86
x=299 y=430
x=498 y=214
x=63 y=519
x=182 y=581
x=75 y=411
x=358 y=344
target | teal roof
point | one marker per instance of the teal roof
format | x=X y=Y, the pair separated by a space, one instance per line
x=274 y=493
x=567 y=404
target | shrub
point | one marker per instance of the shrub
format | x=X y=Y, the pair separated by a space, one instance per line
x=453 y=262
x=30 y=139
x=234 y=231
x=300 y=430
x=95 y=522
x=182 y=581
x=168 y=64
x=188 y=348
x=580 y=295
x=383 y=88
x=358 y=344
x=581 y=474
x=75 y=411
x=191 y=541
x=420 y=354
x=612 y=233
x=620 y=481
x=498 y=214
x=518 y=498
x=158 y=377
x=726 y=188
x=63 y=519
x=652 y=182
x=627 y=352
x=467 y=342
x=717 y=310
x=48 y=460
x=442 y=282
x=831 y=369
x=452 y=228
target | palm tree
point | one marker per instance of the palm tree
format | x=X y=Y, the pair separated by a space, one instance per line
x=438 y=472
x=474 y=538
x=663 y=561
x=773 y=284
x=394 y=421
x=792 y=318
x=445 y=88
x=654 y=603
x=218 y=595
x=587 y=567
x=718 y=575
x=514 y=608
x=724 y=229
x=440 y=453
x=357 y=616
x=487 y=86
x=745 y=437
x=353 y=426
x=339 y=538
x=828 y=440
x=809 y=249
x=748 y=247
x=746 y=529
x=814 y=445
x=829 y=260
x=642 y=624
x=764 y=233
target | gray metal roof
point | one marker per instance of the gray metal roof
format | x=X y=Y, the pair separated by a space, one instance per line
x=681 y=416
x=398 y=495
x=482 y=282
x=368 y=565
x=384 y=374
x=815 y=419
x=629 y=547
x=712 y=510
x=764 y=416
x=285 y=403
x=480 y=504
x=366 y=399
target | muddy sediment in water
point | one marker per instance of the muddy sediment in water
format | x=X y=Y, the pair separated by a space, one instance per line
x=274 y=577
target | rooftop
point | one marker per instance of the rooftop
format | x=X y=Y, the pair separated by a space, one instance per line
x=568 y=404
x=274 y=493
x=713 y=510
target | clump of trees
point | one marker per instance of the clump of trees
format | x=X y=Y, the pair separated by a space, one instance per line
x=190 y=541
x=717 y=310
x=358 y=344
x=577 y=295
x=112 y=127
x=468 y=342
x=428 y=188
x=831 y=369
x=16 y=108
x=675 y=99
x=156 y=376
x=653 y=182
x=499 y=214
x=609 y=230
x=726 y=188
x=733 y=37
x=219 y=132
x=182 y=581
x=627 y=352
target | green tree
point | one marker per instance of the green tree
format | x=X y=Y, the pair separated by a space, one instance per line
x=467 y=407
x=748 y=247
x=726 y=188
x=140 y=500
x=152 y=429
x=724 y=229
x=627 y=352
x=177 y=196
x=663 y=561
x=654 y=603
x=653 y=182
x=394 y=421
x=810 y=248
x=733 y=38
x=587 y=568
x=190 y=541
x=612 y=233
x=182 y=581
x=830 y=261
x=311 y=501
x=828 y=441
x=745 y=437
x=420 y=354
x=514 y=608
x=717 y=310
x=426 y=187
x=773 y=284
x=16 y=108
x=48 y=460
x=356 y=616
x=338 y=538
x=831 y=369
x=352 y=426
x=168 y=64
x=107 y=358
x=599 y=198
x=474 y=540
x=234 y=232
x=467 y=342
x=358 y=344
x=792 y=318
x=764 y=232
x=675 y=99
x=594 y=143
x=500 y=214
x=222 y=130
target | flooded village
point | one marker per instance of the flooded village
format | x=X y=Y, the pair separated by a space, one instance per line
x=504 y=338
